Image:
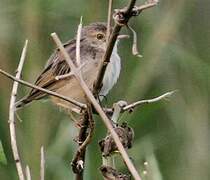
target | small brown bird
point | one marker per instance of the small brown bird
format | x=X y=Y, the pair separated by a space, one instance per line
x=92 y=49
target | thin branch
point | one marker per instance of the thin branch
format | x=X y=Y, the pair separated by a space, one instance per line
x=134 y=46
x=70 y=74
x=131 y=106
x=148 y=101
x=106 y=59
x=77 y=167
x=78 y=58
x=147 y=5
x=64 y=76
x=78 y=43
x=84 y=139
x=109 y=18
x=42 y=164
x=28 y=173
x=98 y=108
x=91 y=126
x=117 y=108
x=70 y=100
x=12 y=116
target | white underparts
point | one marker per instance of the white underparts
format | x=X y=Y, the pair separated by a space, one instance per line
x=112 y=73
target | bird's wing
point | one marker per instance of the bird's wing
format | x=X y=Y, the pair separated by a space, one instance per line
x=55 y=66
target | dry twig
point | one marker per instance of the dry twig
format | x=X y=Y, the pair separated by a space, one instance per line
x=109 y=19
x=12 y=116
x=134 y=46
x=79 y=158
x=84 y=139
x=91 y=127
x=147 y=5
x=131 y=106
x=28 y=173
x=78 y=43
x=148 y=101
x=42 y=164
x=70 y=100
x=87 y=122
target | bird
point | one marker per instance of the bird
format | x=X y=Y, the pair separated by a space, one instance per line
x=92 y=49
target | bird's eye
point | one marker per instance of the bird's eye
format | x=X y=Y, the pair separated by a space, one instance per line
x=100 y=36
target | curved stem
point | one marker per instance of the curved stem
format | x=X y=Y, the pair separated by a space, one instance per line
x=12 y=116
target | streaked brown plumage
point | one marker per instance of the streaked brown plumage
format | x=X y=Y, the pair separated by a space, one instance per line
x=92 y=49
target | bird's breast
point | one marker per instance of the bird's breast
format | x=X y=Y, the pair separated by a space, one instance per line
x=112 y=74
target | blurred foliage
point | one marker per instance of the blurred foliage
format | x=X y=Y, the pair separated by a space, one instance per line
x=2 y=155
x=173 y=137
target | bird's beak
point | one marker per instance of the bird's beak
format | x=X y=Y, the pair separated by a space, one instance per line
x=122 y=36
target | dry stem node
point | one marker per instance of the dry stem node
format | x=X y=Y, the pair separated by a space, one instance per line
x=126 y=135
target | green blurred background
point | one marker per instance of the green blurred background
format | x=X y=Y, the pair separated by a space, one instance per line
x=172 y=136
